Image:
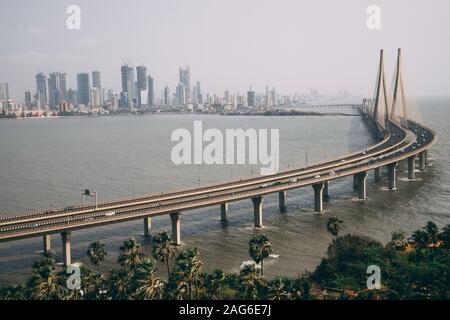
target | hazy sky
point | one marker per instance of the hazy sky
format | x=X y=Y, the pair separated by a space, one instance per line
x=293 y=45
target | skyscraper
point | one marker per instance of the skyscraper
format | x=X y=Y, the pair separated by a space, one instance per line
x=83 y=88
x=199 y=92
x=128 y=84
x=151 y=92
x=185 y=79
x=166 y=96
x=4 y=91
x=28 y=99
x=141 y=84
x=96 y=80
x=41 y=88
x=181 y=94
x=250 y=98
x=57 y=89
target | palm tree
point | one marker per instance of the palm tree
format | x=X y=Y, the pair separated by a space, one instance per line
x=120 y=284
x=43 y=283
x=97 y=254
x=259 y=249
x=250 y=280
x=148 y=285
x=187 y=269
x=163 y=249
x=432 y=231
x=130 y=254
x=444 y=236
x=334 y=225
x=421 y=238
x=277 y=290
x=215 y=281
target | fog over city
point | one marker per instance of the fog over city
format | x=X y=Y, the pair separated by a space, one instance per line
x=291 y=45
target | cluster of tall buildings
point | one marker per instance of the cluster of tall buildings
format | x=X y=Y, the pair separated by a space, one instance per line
x=137 y=91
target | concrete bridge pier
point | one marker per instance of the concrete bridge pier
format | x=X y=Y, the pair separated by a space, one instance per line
x=326 y=195
x=282 y=201
x=223 y=211
x=47 y=244
x=392 y=173
x=257 y=211
x=426 y=157
x=176 y=228
x=318 y=196
x=355 y=182
x=411 y=173
x=377 y=174
x=362 y=184
x=422 y=159
x=147 y=226
x=65 y=237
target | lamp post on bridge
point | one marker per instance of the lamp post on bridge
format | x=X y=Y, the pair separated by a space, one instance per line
x=87 y=192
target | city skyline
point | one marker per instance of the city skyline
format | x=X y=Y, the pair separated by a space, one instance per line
x=227 y=45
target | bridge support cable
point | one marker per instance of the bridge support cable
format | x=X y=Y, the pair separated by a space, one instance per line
x=47 y=241
x=392 y=174
x=362 y=184
x=223 y=211
x=282 y=202
x=411 y=172
x=176 y=228
x=258 y=211
x=399 y=92
x=381 y=102
x=147 y=227
x=66 y=250
x=326 y=195
x=318 y=196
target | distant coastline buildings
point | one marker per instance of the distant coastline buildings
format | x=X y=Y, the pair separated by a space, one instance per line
x=53 y=96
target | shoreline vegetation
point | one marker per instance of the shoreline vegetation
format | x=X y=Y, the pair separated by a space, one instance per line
x=417 y=267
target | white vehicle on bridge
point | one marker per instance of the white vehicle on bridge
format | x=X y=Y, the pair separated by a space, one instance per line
x=264 y=185
x=110 y=214
x=293 y=179
x=317 y=176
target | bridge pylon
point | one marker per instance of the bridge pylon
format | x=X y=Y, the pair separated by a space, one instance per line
x=381 y=102
x=399 y=92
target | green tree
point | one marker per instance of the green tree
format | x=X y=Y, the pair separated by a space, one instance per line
x=43 y=284
x=334 y=225
x=444 y=236
x=277 y=290
x=214 y=282
x=163 y=249
x=148 y=284
x=97 y=253
x=187 y=269
x=251 y=281
x=259 y=249
x=130 y=254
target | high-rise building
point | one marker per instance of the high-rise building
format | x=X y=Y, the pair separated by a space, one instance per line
x=128 y=84
x=181 y=94
x=199 y=92
x=96 y=80
x=4 y=91
x=166 y=96
x=151 y=92
x=28 y=99
x=72 y=97
x=141 y=84
x=57 y=89
x=141 y=72
x=41 y=89
x=83 y=88
x=94 y=97
x=185 y=79
x=250 y=98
